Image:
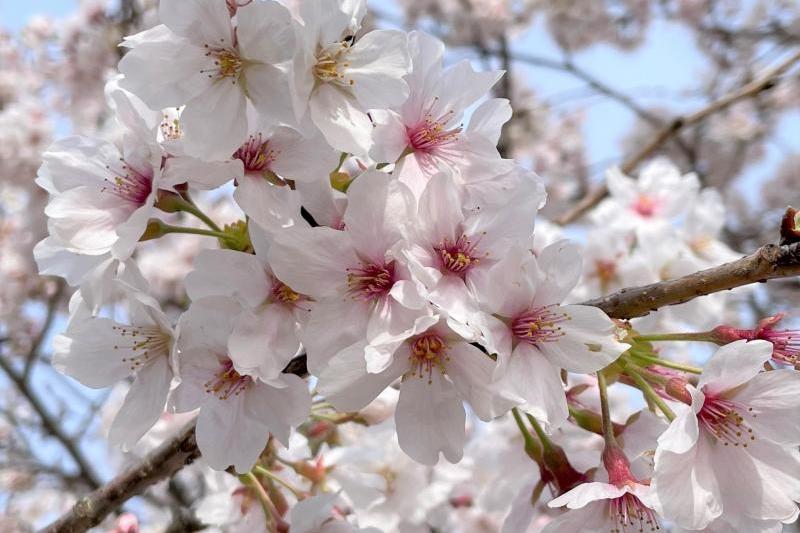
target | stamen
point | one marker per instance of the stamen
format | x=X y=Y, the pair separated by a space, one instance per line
x=539 y=324
x=458 y=256
x=428 y=352
x=370 y=281
x=256 y=154
x=432 y=132
x=227 y=382
x=332 y=63
x=628 y=513
x=724 y=420
x=146 y=342
x=129 y=184
x=227 y=63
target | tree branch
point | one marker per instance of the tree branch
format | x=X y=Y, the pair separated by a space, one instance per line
x=158 y=465
x=51 y=424
x=768 y=262
x=750 y=90
x=771 y=261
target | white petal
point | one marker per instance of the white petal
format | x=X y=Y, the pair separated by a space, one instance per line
x=430 y=419
x=272 y=207
x=686 y=488
x=96 y=352
x=228 y=273
x=262 y=343
x=389 y=137
x=143 y=404
x=215 y=122
x=774 y=398
x=561 y=265
x=345 y=126
x=378 y=207
x=162 y=69
x=264 y=32
x=346 y=383
x=202 y=21
x=268 y=88
x=533 y=378
x=734 y=364
x=471 y=372
x=313 y=261
x=200 y=174
x=333 y=325
x=588 y=342
x=586 y=493
x=378 y=62
x=488 y=119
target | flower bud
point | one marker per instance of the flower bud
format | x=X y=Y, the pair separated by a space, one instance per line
x=676 y=389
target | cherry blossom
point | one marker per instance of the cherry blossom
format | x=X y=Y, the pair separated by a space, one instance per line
x=232 y=426
x=733 y=451
x=99 y=352
x=198 y=58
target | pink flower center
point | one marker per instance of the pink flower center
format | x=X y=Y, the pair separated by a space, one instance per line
x=285 y=295
x=370 y=281
x=724 y=420
x=129 y=184
x=432 y=133
x=256 y=154
x=645 y=206
x=458 y=256
x=428 y=352
x=540 y=324
x=628 y=511
x=146 y=342
x=227 y=382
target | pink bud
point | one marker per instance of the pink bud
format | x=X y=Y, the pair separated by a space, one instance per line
x=676 y=388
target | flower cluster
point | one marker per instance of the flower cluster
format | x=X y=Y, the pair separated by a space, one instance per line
x=382 y=239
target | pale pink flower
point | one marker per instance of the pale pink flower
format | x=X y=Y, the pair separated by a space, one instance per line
x=199 y=58
x=534 y=335
x=238 y=411
x=355 y=273
x=733 y=453
x=99 y=352
x=338 y=77
x=427 y=133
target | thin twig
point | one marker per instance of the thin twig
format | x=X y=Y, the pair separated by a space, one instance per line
x=750 y=90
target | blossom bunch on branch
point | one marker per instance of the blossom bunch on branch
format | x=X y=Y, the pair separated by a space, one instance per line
x=382 y=237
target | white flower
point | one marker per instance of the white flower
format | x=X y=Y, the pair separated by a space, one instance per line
x=534 y=335
x=196 y=57
x=338 y=78
x=238 y=411
x=101 y=194
x=601 y=507
x=439 y=370
x=265 y=332
x=733 y=454
x=99 y=352
x=427 y=133
x=660 y=194
x=454 y=240
x=361 y=286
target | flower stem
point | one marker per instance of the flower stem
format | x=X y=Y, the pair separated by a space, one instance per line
x=546 y=442
x=608 y=425
x=168 y=228
x=669 y=364
x=192 y=209
x=270 y=512
x=532 y=447
x=294 y=490
x=648 y=391
x=704 y=336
